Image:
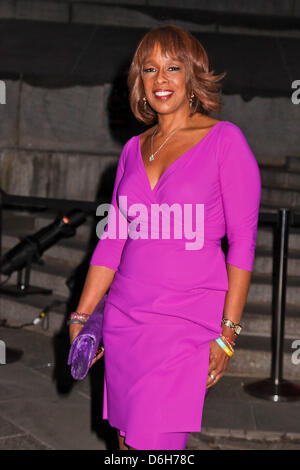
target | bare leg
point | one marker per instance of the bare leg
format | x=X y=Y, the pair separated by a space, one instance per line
x=122 y=445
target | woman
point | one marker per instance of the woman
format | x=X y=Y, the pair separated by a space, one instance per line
x=168 y=296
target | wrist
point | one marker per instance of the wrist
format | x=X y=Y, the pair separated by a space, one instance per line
x=227 y=331
x=235 y=327
x=75 y=323
x=227 y=348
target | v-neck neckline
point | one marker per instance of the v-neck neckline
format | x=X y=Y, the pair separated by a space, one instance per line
x=152 y=190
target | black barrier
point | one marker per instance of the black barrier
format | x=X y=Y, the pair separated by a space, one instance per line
x=276 y=388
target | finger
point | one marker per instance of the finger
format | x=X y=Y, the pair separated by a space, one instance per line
x=97 y=358
x=210 y=380
x=218 y=377
x=217 y=374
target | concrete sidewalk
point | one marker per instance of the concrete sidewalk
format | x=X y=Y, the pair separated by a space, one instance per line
x=42 y=407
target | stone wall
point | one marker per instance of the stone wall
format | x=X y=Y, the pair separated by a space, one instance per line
x=59 y=143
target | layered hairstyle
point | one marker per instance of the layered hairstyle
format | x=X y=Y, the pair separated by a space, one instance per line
x=178 y=43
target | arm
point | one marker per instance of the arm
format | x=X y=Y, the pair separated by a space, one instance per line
x=109 y=248
x=240 y=184
x=105 y=259
x=241 y=191
x=97 y=282
x=239 y=283
x=236 y=296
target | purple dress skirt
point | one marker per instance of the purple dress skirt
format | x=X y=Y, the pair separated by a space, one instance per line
x=165 y=304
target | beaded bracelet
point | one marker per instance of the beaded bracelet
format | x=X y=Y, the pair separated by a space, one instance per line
x=229 y=340
x=79 y=316
x=224 y=347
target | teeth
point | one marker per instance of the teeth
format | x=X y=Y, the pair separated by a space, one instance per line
x=163 y=93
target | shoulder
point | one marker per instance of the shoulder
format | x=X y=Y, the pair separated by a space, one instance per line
x=231 y=132
x=140 y=138
x=132 y=140
x=231 y=136
x=127 y=147
x=129 y=142
x=233 y=145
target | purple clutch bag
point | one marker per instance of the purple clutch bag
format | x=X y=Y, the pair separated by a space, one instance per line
x=85 y=345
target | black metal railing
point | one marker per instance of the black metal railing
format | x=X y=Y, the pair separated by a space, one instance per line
x=281 y=220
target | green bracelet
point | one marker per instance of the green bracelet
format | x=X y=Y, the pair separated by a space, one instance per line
x=75 y=321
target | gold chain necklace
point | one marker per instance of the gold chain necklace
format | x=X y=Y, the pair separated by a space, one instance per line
x=151 y=158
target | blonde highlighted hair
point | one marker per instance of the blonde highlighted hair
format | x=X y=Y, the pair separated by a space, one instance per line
x=175 y=42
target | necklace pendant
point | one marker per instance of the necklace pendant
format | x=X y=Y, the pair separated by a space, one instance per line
x=151 y=158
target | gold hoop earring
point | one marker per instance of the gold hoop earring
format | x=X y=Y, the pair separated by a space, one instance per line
x=192 y=100
x=145 y=103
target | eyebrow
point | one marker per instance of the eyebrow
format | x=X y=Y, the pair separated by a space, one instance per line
x=168 y=60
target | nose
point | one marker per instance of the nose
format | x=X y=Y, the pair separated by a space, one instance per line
x=161 y=76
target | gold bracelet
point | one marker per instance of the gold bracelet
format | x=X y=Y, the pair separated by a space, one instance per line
x=227 y=343
x=234 y=326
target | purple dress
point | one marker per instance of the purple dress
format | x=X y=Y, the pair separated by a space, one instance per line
x=165 y=304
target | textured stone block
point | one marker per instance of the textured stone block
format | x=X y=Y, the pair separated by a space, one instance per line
x=65 y=119
x=111 y=15
x=79 y=176
x=57 y=175
x=42 y=10
x=7 y=9
x=294 y=164
x=113 y=2
x=24 y=174
x=257 y=7
x=127 y=17
x=270 y=125
x=9 y=114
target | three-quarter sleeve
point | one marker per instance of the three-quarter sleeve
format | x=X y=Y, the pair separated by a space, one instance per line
x=110 y=245
x=240 y=183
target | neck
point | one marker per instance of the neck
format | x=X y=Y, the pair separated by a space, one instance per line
x=168 y=122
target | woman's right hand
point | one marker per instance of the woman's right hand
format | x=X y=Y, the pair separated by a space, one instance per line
x=74 y=330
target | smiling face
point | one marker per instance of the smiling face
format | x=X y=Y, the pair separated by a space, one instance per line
x=164 y=80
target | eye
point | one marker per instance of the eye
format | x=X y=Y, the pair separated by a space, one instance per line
x=147 y=70
x=174 y=67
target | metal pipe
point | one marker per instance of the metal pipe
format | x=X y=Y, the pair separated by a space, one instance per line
x=279 y=293
x=276 y=388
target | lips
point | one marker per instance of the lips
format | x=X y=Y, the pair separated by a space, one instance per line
x=163 y=94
